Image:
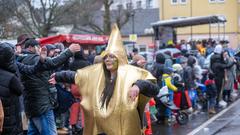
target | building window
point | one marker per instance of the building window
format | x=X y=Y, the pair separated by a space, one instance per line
x=221 y=1
x=139 y=4
x=174 y=2
x=216 y=1
x=212 y=1
x=149 y=3
x=129 y=5
x=183 y=1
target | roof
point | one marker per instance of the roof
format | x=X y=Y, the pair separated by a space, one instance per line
x=190 y=21
x=142 y=20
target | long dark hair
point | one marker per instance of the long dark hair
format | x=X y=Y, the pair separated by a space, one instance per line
x=109 y=87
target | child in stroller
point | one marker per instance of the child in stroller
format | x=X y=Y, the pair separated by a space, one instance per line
x=167 y=108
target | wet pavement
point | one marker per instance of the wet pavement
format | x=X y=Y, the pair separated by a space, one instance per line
x=226 y=122
x=195 y=120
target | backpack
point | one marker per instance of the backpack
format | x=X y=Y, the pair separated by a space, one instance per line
x=65 y=100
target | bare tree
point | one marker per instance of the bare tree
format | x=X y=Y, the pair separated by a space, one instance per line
x=92 y=19
x=37 y=19
x=85 y=15
x=5 y=27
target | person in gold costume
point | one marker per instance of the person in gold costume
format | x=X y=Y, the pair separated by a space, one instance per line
x=114 y=93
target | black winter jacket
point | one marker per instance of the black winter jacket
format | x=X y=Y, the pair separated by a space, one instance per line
x=36 y=93
x=217 y=66
x=11 y=88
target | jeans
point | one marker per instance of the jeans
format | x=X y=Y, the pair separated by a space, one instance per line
x=212 y=102
x=42 y=125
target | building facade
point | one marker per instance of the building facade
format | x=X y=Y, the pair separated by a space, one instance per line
x=144 y=12
x=230 y=9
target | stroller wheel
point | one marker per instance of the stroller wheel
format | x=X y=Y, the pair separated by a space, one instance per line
x=182 y=118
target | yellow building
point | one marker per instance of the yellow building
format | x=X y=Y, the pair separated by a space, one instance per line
x=230 y=9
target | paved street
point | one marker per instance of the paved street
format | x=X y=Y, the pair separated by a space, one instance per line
x=226 y=122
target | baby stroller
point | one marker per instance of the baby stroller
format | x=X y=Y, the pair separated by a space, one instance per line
x=181 y=116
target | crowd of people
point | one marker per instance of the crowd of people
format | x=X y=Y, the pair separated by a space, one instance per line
x=51 y=90
x=208 y=85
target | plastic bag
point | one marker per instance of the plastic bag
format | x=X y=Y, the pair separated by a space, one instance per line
x=192 y=94
x=163 y=91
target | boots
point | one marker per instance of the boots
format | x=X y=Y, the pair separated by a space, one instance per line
x=211 y=111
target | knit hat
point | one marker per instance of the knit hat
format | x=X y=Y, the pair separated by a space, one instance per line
x=177 y=67
x=50 y=47
x=160 y=58
x=218 y=49
x=31 y=42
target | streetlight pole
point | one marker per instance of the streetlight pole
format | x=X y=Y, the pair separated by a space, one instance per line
x=133 y=23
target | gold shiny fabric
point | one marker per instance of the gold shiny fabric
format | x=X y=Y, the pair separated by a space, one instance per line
x=122 y=116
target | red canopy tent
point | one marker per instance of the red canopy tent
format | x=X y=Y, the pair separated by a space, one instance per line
x=87 y=39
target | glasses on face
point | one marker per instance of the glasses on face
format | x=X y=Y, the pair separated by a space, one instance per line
x=110 y=56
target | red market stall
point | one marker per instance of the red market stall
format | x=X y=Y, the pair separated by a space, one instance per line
x=81 y=39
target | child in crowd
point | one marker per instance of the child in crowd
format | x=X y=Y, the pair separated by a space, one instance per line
x=167 y=80
x=211 y=93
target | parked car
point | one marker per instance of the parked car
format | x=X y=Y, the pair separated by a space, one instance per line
x=173 y=52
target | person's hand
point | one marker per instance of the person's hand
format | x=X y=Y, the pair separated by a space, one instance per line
x=234 y=60
x=18 y=50
x=52 y=79
x=74 y=48
x=133 y=92
x=43 y=54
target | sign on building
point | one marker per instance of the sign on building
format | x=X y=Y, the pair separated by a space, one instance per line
x=133 y=37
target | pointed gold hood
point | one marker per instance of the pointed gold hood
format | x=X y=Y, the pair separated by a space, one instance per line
x=115 y=46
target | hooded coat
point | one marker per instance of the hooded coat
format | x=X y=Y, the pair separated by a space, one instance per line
x=11 y=88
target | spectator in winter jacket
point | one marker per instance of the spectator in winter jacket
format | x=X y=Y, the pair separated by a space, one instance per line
x=189 y=80
x=11 y=88
x=217 y=67
x=188 y=75
x=158 y=68
x=38 y=103
x=229 y=77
